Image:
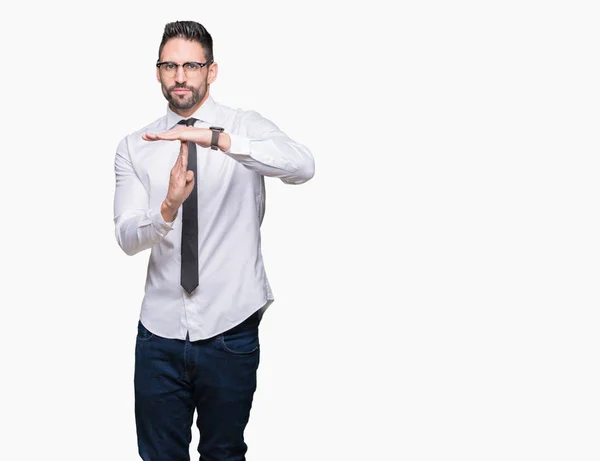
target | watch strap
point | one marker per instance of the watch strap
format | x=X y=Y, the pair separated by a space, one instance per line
x=216 y=130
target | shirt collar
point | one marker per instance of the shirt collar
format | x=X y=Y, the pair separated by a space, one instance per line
x=205 y=113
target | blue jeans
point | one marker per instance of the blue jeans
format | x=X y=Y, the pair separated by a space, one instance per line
x=216 y=377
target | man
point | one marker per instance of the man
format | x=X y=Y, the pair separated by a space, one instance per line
x=198 y=204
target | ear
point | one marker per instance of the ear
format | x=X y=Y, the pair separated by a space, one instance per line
x=213 y=71
x=158 y=74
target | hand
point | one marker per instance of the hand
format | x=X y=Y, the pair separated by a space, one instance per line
x=201 y=136
x=181 y=184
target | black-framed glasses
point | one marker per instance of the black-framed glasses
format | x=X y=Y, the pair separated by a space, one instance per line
x=169 y=69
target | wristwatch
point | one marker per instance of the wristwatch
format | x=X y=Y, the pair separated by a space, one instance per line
x=216 y=130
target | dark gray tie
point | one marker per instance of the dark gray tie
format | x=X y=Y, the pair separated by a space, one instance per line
x=189 y=229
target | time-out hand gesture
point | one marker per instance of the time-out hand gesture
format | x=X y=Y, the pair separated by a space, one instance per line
x=201 y=136
x=181 y=184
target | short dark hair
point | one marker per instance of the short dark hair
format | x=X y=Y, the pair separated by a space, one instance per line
x=189 y=30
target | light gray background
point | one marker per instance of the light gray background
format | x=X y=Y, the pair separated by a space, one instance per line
x=436 y=281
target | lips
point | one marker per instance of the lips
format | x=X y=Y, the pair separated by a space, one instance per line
x=181 y=91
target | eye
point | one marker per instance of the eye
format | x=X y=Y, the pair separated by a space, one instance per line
x=170 y=66
x=192 y=66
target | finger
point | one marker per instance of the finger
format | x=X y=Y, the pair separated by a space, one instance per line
x=178 y=165
x=189 y=185
x=149 y=136
x=189 y=176
x=174 y=133
x=183 y=153
x=158 y=136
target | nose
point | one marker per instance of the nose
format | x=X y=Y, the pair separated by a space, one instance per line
x=180 y=75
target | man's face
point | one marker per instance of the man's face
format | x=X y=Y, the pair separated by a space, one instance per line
x=185 y=91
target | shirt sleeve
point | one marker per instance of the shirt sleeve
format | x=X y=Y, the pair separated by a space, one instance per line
x=137 y=227
x=270 y=152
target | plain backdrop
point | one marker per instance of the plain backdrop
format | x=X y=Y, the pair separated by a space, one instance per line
x=436 y=282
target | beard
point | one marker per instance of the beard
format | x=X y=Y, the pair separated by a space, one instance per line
x=185 y=101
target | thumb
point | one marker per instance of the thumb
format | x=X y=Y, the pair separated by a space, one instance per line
x=189 y=176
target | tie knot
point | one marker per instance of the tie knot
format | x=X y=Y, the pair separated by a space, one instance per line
x=188 y=122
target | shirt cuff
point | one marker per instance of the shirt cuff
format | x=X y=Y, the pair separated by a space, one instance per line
x=155 y=218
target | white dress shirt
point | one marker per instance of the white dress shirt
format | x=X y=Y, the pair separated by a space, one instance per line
x=233 y=282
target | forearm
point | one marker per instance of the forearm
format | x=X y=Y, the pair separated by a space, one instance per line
x=276 y=156
x=168 y=210
x=137 y=226
x=138 y=230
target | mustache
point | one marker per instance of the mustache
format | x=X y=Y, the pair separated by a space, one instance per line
x=180 y=87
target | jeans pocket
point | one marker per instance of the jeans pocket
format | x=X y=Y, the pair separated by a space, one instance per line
x=143 y=334
x=243 y=342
